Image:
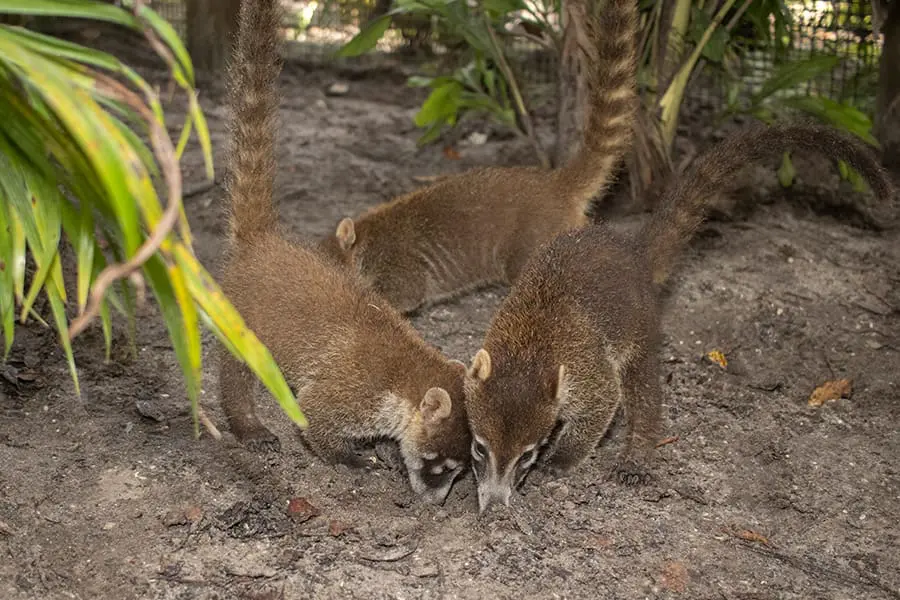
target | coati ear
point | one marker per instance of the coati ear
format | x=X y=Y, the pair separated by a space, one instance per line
x=435 y=406
x=346 y=233
x=561 y=382
x=481 y=365
x=458 y=364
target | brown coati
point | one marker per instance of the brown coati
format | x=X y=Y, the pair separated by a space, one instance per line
x=579 y=333
x=480 y=226
x=360 y=371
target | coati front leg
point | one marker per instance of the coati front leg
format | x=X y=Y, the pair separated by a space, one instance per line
x=331 y=418
x=597 y=399
x=332 y=447
x=642 y=401
x=236 y=395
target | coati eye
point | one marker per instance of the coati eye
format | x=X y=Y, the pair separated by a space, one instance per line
x=528 y=457
x=478 y=450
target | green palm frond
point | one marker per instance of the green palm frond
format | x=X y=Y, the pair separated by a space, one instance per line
x=73 y=159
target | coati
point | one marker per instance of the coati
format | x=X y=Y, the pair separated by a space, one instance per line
x=480 y=226
x=360 y=371
x=579 y=333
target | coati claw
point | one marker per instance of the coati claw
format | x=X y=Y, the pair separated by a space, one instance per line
x=631 y=473
x=262 y=441
x=354 y=461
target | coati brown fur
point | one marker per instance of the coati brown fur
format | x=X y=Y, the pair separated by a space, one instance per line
x=360 y=371
x=481 y=226
x=579 y=333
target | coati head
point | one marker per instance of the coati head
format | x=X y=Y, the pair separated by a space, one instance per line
x=513 y=409
x=341 y=245
x=346 y=247
x=435 y=445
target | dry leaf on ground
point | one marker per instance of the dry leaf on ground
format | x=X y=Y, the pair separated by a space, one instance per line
x=718 y=357
x=193 y=514
x=302 y=510
x=748 y=535
x=675 y=576
x=451 y=153
x=830 y=391
x=338 y=528
x=669 y=440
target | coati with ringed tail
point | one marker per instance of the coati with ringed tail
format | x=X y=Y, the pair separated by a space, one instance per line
x=480 y=226
x=579 y=333
x=360 y=371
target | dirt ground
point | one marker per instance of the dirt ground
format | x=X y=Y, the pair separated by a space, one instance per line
x=758 y=495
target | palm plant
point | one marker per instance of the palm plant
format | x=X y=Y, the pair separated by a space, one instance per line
x=84 y=147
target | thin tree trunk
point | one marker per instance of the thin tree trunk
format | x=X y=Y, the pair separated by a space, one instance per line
x=887 y=107
x=211 y=26
x=381 y=8
x=575 y=58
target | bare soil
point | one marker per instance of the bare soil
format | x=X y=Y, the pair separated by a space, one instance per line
x=758 y=495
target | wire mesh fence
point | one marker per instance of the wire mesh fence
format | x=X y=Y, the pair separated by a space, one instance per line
x=844 y=29
x=173 y=11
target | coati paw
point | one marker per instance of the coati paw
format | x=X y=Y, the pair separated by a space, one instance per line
x=629 y=472
x=353 y=460
x=344 y=455
x=262 y=441
x=558 y=471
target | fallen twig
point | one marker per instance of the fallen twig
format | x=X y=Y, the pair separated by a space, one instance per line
x=830 y=571
x=668 y=440
x=427 y=178
x=398 y=553
x=210 y=426
x=747 y=535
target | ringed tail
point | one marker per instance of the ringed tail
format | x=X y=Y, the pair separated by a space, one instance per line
x=253 y=100
x=613 y=102
x=682 y=208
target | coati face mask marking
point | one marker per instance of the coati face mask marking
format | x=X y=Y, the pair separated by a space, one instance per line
x=431 y=473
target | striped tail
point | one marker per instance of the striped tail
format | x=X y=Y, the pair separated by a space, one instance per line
x=683 y=207
x=612 y=86
x=253 y=99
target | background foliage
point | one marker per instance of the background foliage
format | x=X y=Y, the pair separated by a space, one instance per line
x=681 y=41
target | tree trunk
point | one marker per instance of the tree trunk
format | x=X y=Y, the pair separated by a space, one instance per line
x=572 y=93
x=211 y=26
x=887 y=102
x=380 y=9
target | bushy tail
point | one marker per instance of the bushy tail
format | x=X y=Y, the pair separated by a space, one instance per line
x=613 y=102
x=683 y=206
x=253 y=99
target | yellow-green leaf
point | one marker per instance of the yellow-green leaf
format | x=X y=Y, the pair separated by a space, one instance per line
x=229 y=324
x=786 y=172
x=191 y=331
x=62 y=325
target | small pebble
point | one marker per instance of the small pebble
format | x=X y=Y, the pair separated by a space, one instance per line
x=338 y=88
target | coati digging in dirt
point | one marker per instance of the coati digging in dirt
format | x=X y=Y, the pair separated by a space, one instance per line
x=579 y=333
x=360 y=370
x=481 y=226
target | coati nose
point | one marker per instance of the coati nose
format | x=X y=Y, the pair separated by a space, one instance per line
x=437 y=496
x=490 y=493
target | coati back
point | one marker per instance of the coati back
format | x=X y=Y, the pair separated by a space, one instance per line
x=360 y=371
x=481 y=226
x=579 y=333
